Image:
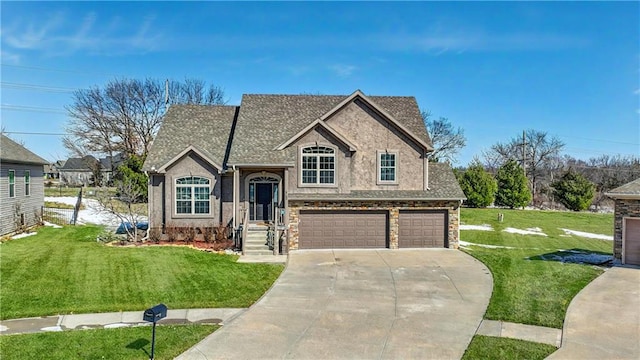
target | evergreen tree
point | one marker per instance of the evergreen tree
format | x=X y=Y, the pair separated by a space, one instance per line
x=478 y=185
x=573 y=191
x=131 y=181
x=513 y=190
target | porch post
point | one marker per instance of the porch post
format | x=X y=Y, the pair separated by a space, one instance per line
x=285 y=206
x=236 y=185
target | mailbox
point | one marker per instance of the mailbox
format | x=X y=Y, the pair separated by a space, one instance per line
x=155 y=313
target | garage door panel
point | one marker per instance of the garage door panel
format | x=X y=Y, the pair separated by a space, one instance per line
x=342 y=229
x=419 y=229
x=632 y=241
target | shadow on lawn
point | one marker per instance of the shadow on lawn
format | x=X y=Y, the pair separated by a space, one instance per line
x=139 y=345
x=576 y=256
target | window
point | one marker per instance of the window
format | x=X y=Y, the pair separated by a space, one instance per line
x=387 y=166
x=192 y=195
x=27 y=182
x=318 y=165
x=12 y=183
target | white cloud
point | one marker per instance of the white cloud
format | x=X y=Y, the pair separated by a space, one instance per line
x=60 y=36
x=343 y=70
x=9 y=58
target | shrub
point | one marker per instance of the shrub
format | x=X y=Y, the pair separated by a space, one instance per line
x=513 y=190
x=155 y=234
x=478 y=185
x=573 y=191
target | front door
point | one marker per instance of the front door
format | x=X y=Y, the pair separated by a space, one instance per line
x=263 y=202
x=263 y=198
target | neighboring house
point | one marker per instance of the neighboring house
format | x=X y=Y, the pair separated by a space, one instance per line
x=21 y=186
x=332 y=171
x=626 y=237
x=51 y=170
x=80 y=171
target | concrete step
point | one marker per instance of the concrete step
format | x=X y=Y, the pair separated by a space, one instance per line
x=249 y=252
x=255 y=246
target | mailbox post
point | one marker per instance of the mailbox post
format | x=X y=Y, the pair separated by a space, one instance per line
x=154 y=315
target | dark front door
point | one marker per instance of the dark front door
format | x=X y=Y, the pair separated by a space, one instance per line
x=263 y=201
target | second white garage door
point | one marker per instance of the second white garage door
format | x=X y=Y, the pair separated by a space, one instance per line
x=342 y=229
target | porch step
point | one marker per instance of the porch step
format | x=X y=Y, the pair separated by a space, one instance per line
x=255 y=243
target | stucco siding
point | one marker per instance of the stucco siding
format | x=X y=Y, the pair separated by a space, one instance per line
x=343 y=165
x=371 y=133
x=189 y=165
x=30 y=205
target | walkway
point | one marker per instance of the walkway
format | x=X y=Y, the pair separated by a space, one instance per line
x=113 y=320
x=603 y=320
x=364 y=304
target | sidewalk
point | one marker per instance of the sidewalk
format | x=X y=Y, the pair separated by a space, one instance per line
x=539 y=334
x=113 y=320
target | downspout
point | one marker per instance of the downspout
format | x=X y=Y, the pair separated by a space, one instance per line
x=426 y=170
x=235 y=199
x=220 y=173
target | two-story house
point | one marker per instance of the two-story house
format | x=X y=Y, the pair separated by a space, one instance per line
x=348 y=171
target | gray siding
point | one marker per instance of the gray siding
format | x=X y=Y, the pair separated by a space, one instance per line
x=30 y=205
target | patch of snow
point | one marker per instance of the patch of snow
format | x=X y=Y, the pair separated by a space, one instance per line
x=579 y=258
x=55 y=226
x=93 y=213
x=483 y=227
x=23 y=235
x=52 y=328
x=529 y=231
x=465 y=244
x=3 y=328
x=587 y=235
x=116 y=325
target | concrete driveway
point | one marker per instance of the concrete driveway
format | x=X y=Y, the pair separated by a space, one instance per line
x=603 y=320
x=360 y=304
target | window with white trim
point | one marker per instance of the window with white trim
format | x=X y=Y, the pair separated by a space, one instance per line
x=387 y=167
x=318 y=164
x=193 y=195
x=27 y=182
x=12 y=183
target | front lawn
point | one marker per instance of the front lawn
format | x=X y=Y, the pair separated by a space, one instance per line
x=529 y=287
x=121 y=343
x=63 y=271
x=489 y=347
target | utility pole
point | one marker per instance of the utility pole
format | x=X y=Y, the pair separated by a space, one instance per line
x=524 y=153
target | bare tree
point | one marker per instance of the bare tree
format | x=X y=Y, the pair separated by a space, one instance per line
x=535 y=152
x=122 y=206
x=125 y=115
x=446 y=140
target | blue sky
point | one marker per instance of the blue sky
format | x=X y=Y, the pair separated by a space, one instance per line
x=494 y=69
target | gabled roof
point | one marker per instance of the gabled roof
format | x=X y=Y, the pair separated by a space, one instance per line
x=11 y=151
x=318 y=123
x=203 y=129
x=79 y=164
x=265 y=122
x=627 y=191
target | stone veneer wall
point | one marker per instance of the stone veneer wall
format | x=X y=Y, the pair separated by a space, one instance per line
x=394 y=208
x=624 y=208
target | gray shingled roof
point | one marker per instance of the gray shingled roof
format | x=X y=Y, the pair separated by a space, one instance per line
x=206 y=127
x=11 y=151
x=630 y=189
x=442 y=184
x=266 y=121
x=79 y=164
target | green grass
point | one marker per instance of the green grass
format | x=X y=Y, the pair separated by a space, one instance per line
x=528 y=289
x=87 y=192
x=496 y=348
x=63 y=271
x=59 y=205
x=121 y=343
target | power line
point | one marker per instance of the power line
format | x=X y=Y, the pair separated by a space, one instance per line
x=35 y=133
x=56 y=70
x=31 y=109
x=51 y=89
